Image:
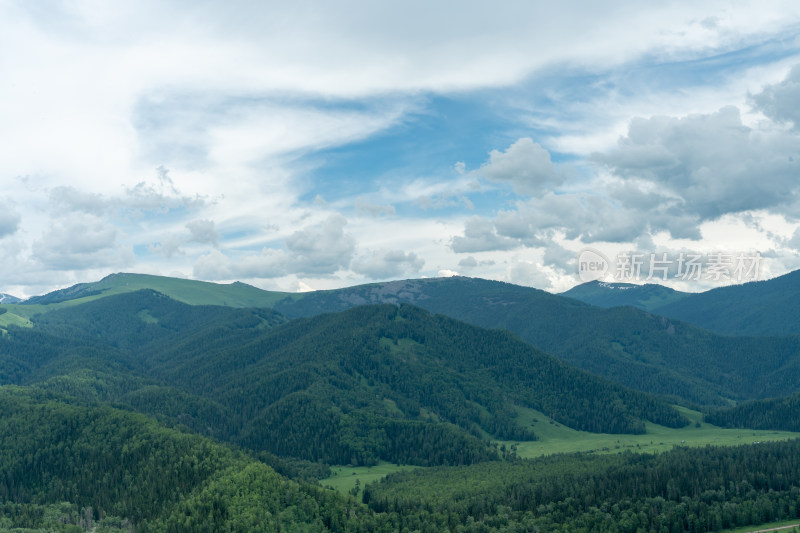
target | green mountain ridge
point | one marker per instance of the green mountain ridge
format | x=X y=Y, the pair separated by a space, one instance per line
x=8 y=299
x=192 y=292
x=759 y=308
x=769 y=413
x=118 y=470
x=67 y=467
x=647 y=297
x=627 y=345
x=631 y=347
x=357 y=386
x=109 y=401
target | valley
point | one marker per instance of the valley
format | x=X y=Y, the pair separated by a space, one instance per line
x=393 y=401
x=554 y=438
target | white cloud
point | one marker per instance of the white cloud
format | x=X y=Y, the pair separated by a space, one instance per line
x=203 y=232
x=168 y=247
x=559 y=257
x=713 y=163
x=529 y=274
x=9 y=220
x=468 y=262
x=585 y=216
x=234 y=99
x=80 y=241
x=525 y=165
x=387 y=264
x=65 y=199
x=480 y=235
x=154 y=195
x=217 y=266
x=316 y=250
x=779 y=101
x=321 y=249
x=667 y=174
x=794 y=242
x=367 y=208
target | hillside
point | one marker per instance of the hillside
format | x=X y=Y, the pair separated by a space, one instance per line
x=771 y=306
x=627 y=345
x=682 y=490
x=773 y=413
x=70 y=467
x=371 y=383
x=647 y=297
x=759 y=308
x=107 y=406
x=184 y=290
x=8 y=299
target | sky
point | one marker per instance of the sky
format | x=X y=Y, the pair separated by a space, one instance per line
x=316 y=145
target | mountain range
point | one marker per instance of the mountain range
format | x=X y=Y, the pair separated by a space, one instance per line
x=758 y=308
x=8 y=299
x=357 y=386
x=636 y=348
x=633 y=347
x=648 y=297
x=178 y=405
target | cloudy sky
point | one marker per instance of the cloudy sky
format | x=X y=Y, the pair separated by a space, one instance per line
x=311 y=145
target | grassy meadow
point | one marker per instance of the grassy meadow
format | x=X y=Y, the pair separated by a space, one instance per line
x=556 y=438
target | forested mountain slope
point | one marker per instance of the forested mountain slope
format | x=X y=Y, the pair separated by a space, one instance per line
x=68 y=467
x=388 y=382
x=370 y=383
x=758 y=308
x=118 y=470
x=684 y=490
x=774 y=413
x=646 y=297
x=630 y=346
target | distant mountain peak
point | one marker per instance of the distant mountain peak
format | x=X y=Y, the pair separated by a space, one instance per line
x=185 y=290
x=8 y=299
x=616 y=286
x=648 y=296
x=757 y=308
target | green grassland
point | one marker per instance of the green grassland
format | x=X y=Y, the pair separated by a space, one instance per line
x=557 y=438
x=184 y=290
x=13 y=319
x=344 y=478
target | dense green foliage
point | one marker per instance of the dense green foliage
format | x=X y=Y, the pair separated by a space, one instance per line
x=62 y=517
x=372 y=383
x=105 y=425
x=627 y=345
x=758 y=308
x=698 y=489
x=67 y=467
x=135 y=320
x=648 y=297
x=777 y=413
x=631 y=347
x=107 y=462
